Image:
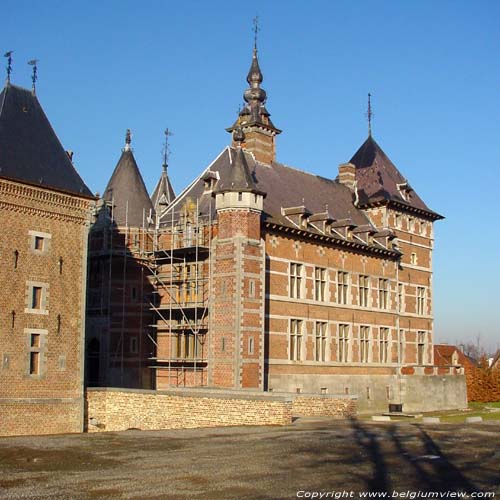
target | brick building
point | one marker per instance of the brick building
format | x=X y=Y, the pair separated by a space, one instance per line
x=274 y=279
x=44 y=216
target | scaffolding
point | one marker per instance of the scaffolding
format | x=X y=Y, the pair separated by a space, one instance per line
x=180 y=269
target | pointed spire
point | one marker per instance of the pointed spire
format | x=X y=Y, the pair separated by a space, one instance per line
x=254 y=118
x=163 y=194
x=8 y=55
x=127 y=191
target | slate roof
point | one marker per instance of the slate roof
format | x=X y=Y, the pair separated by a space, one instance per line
x=284 y=186
x=29 y=148
x=238 y=177
x=163 y=193
x=378 y=180
x=126 y=189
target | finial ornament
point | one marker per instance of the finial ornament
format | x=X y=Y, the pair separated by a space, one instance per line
x=255 y=32
x=34 y=76
x=128 y=139
x=166 y=149
x=369 y=114
x=8 y=55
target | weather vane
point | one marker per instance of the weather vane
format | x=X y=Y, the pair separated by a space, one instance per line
x=8 y=55
x=34 y=76
x=255 y=31
x=369 y=114
x=166 y=149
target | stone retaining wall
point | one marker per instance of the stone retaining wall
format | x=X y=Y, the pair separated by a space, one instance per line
x=121 y=409
x=324 y=406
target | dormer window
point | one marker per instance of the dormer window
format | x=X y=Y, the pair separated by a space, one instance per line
x=209 y=181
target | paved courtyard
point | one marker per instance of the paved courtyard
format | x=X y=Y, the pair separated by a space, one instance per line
x=311 y=455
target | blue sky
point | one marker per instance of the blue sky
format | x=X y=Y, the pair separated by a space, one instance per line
x=432 y=67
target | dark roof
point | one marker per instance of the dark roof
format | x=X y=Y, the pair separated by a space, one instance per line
x=131 y=203
x=164 y=192
x=378 y=179
x=285 y=187
x=238 y=177
x=29 y=148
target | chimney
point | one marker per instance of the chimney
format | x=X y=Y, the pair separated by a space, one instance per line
x=347 y=175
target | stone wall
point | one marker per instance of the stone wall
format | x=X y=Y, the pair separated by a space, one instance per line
x=374 y=393
x=121 y=409
x=324 y=406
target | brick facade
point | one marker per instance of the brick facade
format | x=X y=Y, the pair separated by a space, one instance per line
x=44 y=256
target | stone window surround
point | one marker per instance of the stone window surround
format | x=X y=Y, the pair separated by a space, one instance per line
x=42 y=349
x=44 y=302
x=46 y=242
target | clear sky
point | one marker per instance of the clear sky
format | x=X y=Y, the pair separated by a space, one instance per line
x=433 y=69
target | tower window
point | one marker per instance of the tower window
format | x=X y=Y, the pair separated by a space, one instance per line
x=240 y=196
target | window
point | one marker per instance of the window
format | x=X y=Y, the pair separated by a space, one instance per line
x=364 y=344
x=420 y=300
x=399 y=221
x=35 y=345
x=383 y=293
x=134 y=345
x=343 y=348
x=402 y=345
x=186 y=348
x=421 y=347
x=16 y=258
x=319 y=283
x=295 y=280
x=36 y=297
x=295 y=339
x=383 y=345
x=364 y=290
x=133 y=293
x=320 y=346
x=342 y=287
x=413 y=259
x=400 y=297
x=250 y=345
x=35 y=351
x=240 y=196
x=39 y=242
x=251 y=288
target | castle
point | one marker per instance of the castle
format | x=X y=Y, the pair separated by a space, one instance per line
x=256 y=277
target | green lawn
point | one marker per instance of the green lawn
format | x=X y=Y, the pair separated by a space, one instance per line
x=484 y=410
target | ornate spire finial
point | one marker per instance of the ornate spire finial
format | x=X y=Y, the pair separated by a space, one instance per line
x=128 y=139
x=34 y=76
x=166 y=149
x=255 y=32
x=8 y=55
x=369 y=114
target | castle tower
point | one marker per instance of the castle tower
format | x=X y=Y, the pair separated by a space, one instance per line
x=237 y=321
x=254 y=119
x=119 y=293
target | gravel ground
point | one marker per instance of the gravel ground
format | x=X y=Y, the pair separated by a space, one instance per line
x=311 y=455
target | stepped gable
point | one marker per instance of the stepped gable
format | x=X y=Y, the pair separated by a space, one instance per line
x=29 y=148
x=127 y=191
x=378 y=180
x=284 y=187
